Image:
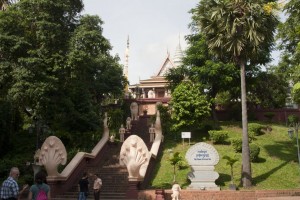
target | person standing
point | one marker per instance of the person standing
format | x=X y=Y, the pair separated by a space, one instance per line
x=97 y=186
x=40 y=187
x=83 y=187
x=10 y=188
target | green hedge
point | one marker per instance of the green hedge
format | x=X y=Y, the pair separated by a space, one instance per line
x=254 y=152
x=256 y=128
x=218 y=136
x=236 y=143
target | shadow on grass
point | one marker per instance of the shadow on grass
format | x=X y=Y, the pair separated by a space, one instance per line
x=264 y=176
x=260 y=160
x=222 y=179
x=283 y=150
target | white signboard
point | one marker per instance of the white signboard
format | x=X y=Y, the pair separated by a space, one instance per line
x=185 y=135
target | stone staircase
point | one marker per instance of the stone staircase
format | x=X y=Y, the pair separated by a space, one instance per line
x=141 y=129
x=114 y=176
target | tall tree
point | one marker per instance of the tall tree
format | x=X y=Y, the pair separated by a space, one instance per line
x=92 y=73
x=56 y=62
x=243 y=29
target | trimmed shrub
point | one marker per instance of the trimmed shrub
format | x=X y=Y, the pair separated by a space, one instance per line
x=218 y=137
x=236 y=143
x=251 y=135
x=254 y=152
x=256 y=128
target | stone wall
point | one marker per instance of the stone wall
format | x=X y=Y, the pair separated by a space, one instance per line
x=222 y=195
x=280 y=115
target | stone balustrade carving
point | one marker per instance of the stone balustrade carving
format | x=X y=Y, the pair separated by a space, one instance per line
x=135 y=155
x=53 y=153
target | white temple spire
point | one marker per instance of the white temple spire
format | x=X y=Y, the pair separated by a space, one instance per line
x=178 y=55
x=125 y=70
x=126 y=59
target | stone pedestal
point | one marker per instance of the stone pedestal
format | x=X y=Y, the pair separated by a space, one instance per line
x=202 y=158
x=203 y=178
x=132 y=192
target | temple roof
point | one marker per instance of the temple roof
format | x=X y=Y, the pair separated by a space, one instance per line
x=159 y=80
x=167 y=64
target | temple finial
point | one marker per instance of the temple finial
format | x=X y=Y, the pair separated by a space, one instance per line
x=125 y=72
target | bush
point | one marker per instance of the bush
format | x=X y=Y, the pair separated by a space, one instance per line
x=251 y=135
x=254 y=152
x=218 y=136
x=256 y=128
x=237 y=144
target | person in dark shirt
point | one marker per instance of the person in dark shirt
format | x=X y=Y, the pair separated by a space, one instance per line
x=83 y=187
x=40 y=179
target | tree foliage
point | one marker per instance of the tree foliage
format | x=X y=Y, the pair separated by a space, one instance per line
x=57 y=63
x=296 y=92
x=202 y=67
x=268 y=90
x=189 y=106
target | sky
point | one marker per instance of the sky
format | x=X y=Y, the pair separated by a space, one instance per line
x=154 y=27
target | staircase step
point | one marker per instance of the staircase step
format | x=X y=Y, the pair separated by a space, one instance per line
x=114 y=176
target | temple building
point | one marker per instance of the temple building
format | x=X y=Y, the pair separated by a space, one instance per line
x=155 y=89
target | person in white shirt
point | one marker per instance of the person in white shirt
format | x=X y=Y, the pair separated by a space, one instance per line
x=97 y=186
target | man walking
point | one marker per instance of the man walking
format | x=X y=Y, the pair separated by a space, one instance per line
x=10 y=188
x=97 y=186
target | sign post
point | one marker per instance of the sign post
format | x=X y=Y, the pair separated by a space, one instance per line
x=186 y=135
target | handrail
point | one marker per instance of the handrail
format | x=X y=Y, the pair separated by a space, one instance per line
x=156 y=143
x=158 y=136
x=69 y=169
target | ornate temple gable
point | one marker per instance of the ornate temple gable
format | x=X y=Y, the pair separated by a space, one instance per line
x=167 y=64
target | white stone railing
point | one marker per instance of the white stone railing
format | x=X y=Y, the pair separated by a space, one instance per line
x=158 y=136
x=80 y=156
x=156 y=143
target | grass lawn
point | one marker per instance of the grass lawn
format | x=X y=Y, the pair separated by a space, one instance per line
x=277 y=167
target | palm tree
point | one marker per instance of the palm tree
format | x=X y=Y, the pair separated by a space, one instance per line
x=230 y=161
x=174 y=160
x=242 y=31
x=5 y=3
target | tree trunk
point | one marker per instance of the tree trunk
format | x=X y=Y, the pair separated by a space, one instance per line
x=246 y=169
x=213 y=111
